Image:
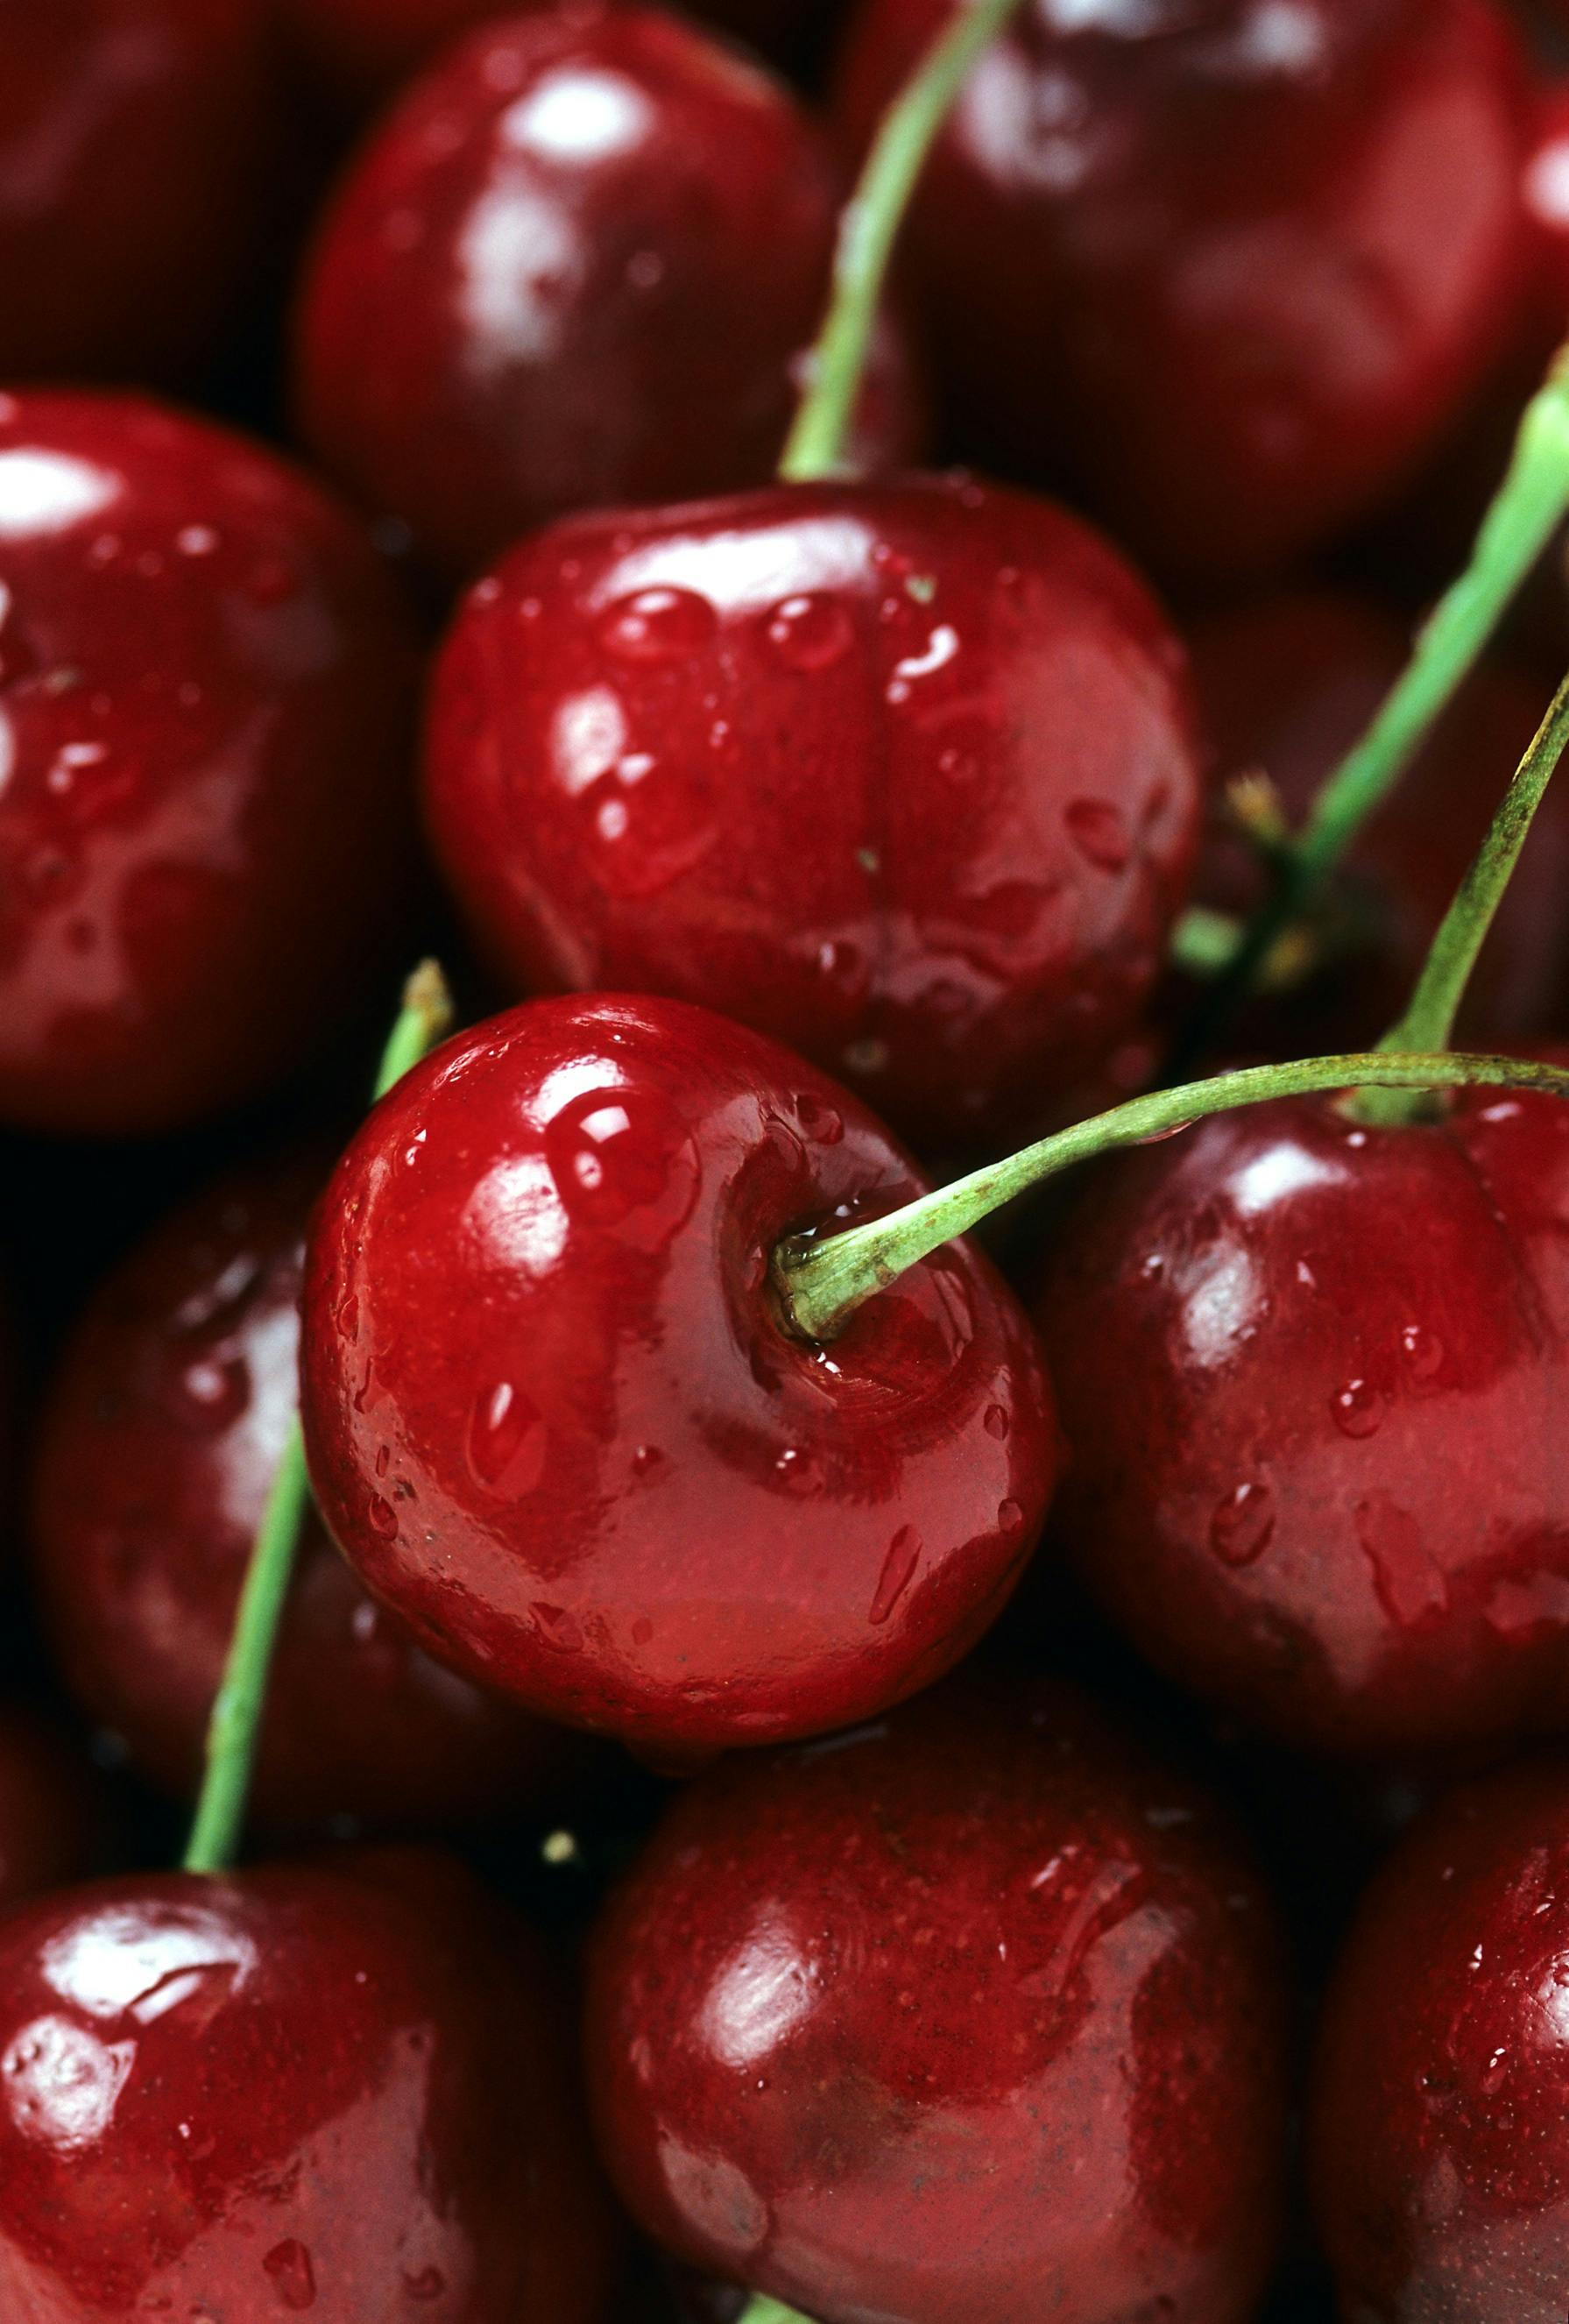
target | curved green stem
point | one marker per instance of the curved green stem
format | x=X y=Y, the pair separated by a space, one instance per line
x=821 y=1281
x=236 y=1714
x=760 y=2309
x=1528 y=508
x=867 y=232
x=1429 y=1022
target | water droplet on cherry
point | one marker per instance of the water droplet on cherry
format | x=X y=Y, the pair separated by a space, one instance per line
x=658 y=625
x=624 y=1160
x=557 y=1628
x=505 y=1444
x=1243 y=1523
x=1100 y=833
x=898 y=1571
x=810 y=634
x=289 y=2264
x=1357 y=1409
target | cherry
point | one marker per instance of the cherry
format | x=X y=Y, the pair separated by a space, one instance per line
x=1286 y=685
x=134 y=136
x=1440 y=2149
x=159 y=1443
x=203 y=689
x=904 y=774
x=970 y=2015
x=1310 y=1372
x=366 y=46
x=51 y=1809
x=556 y=1421
x=577 y=265
x=333 y=2089
x=1177 y=245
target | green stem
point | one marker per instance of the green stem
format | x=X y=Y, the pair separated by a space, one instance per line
x=1429 y=1022
x=869 y=231
x=236 y=1715
x=820 y=1282
x=760 y=2309
x=1528 y=508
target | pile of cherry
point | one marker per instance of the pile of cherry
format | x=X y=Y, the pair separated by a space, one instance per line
x=1020 y=1791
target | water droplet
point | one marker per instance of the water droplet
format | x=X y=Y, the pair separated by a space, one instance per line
x=383 y=1517
x=293 y=2276
x=1100 y=833
x=625 y=1161
x=506 y=1446
x=209 y=1394
x=646 y=1459
x=557 y=1628
x=642 y=1631
x=424 y=2282
x=819 y=1120
x=1423 y=1351
x=845 y=966
x=1010 y=1517
x=995 y=1422
x=1243 y=1523
x=898 y=1572
x=811 y=633
x=658 y=625
x=346 y=1316
x=1357 y=1409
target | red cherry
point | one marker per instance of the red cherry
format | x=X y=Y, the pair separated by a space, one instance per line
x=1312 y=1374
x=1440 y=2143
x=971 y=2014
x=555 y=1422
x=902 y=774
x=576 y=266
x=134 y=139
x=366 y=46
x=160 y=1440
x=1237 y=264
x=204 y=679
x=51 y=1819
x=1287 y=685
x=333 y=2089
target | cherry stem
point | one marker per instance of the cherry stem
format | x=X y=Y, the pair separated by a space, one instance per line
x=1528 y=508
x=1429 y=1022
x=761 y=2310
x=235 y=1722
x=868 y=230
x=821 y=1280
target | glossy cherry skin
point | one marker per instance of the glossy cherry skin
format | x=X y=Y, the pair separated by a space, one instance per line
x=135 y=137
x=575 y=266
x=364 y=47
x=904 y=774
x=204 y=682
x=1310 y=1375
x=160 y=1438
x=1287 y=685
x=334 y=2089
x=51 y=1819
x=1238 y=267
x=1439 y=2143
x=972 y=2016
x=556 y=1422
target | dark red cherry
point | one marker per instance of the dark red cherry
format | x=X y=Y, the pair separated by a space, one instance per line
x=971 y=2014
x=576 y=266
x=334 y=2089
x=1286 y=685
x=1311 y=1374
x=557 y=1424
x=364 y=46
x=160 y=1438
x=205 y=683
x=1441 y=2118
x=134 y=138
x=1235 y=264
x=51 y=1811
x=904 y=774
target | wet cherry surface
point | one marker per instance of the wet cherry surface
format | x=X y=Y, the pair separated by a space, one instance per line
x=205 y=680
x=158 y=1444
x=904 y=774
x=335 y=2089
x=576 y=265
x=51 y=1811
x=1286 y=685
x=1240 y=263
x=1440 y=2146
x=135 y=137
x=1312 y=1378
x=556 y=1423
x=968 y=2018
